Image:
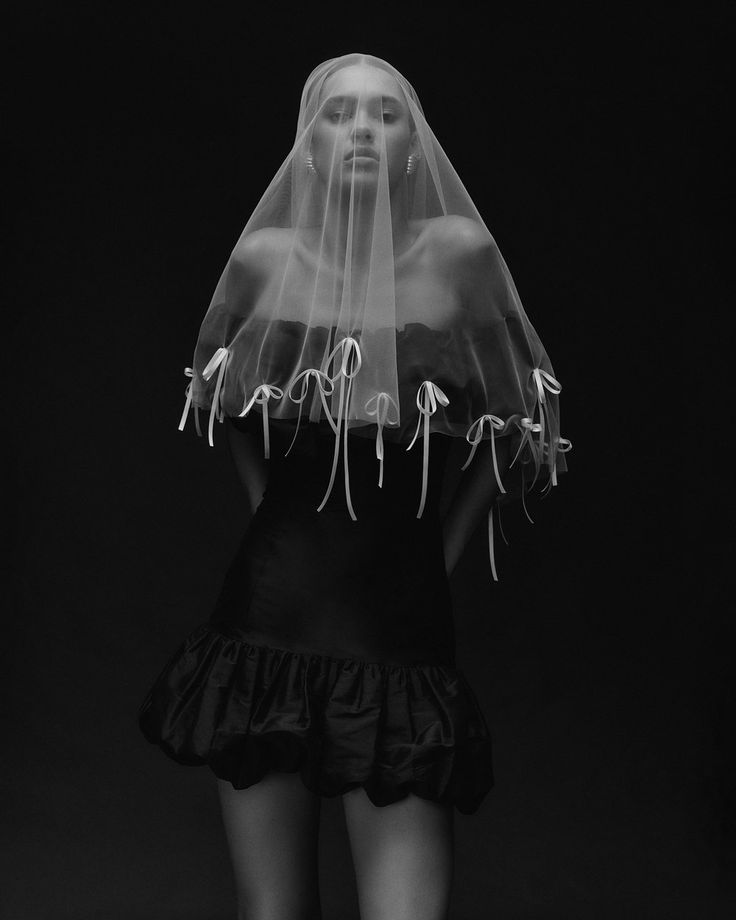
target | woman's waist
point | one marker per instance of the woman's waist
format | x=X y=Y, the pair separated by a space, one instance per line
x=336 y=553
x=371 y=486
x=366 y=499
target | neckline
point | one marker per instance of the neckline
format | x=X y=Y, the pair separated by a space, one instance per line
x=399 y=330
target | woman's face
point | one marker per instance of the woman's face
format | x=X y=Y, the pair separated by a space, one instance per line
x=362 y=110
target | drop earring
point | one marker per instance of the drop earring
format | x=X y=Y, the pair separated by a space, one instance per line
x=309 y=161
x=412 y=163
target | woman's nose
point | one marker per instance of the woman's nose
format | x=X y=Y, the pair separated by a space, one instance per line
x=363 y=129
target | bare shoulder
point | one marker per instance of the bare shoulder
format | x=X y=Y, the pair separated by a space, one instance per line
x=256 y=251
x=457 y=238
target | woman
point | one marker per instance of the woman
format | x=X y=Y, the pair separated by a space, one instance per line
x=365 y=291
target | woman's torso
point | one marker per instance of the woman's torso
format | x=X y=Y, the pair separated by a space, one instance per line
x=423 y=278
x=374 y=588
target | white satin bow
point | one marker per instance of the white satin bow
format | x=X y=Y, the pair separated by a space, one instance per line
x=218 y=362
x=349 y=367
x=428 y=396
x=321 y=381
x=378 y=405
x=261 y=395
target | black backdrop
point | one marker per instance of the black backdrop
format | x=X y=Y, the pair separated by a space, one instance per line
x=593 y=142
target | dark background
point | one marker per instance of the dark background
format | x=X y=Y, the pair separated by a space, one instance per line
x=592 y=139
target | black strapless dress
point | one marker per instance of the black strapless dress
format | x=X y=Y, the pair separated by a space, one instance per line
x=331 y=649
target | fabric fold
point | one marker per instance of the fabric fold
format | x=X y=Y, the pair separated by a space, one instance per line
x=245 y=710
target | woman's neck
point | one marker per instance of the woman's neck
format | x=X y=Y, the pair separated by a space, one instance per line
x=352 y=228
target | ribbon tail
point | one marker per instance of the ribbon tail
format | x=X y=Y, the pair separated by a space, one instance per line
x=266 y=447
x=425 y=464
x=379 y=454
x=197 y=423
x=215 y=410
x=419 y=422
x=495 y=463
x=296 y=430
x=185 y=413
x=348 y=499
x=523 y=441
x=542 y=429
x=536 y=454
x=552 y=458
x=211 y=425
x=523 y=502
x=490 y=544
x=470 y=456
x=328 y=413
x=336 y=452
x=500 y=525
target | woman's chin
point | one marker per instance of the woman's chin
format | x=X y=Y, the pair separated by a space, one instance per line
x=348 y=178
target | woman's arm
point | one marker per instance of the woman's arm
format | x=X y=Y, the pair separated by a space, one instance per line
x=476 y=269
x=472 y=500
x=250 y=463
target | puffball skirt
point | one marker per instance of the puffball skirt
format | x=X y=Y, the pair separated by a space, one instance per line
x=331 y=649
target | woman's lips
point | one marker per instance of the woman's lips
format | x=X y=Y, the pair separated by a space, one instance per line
x=362 y=153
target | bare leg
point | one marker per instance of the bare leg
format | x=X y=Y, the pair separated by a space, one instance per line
x=272 y=830
x=403 y=857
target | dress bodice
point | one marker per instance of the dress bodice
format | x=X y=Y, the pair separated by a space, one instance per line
x=301 y=477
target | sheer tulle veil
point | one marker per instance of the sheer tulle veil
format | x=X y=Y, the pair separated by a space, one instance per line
x=365 y=294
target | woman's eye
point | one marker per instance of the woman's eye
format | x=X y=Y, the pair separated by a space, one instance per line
x=389 y=116
x=338 y=116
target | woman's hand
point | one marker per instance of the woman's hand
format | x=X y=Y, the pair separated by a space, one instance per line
x=249 y=462
x=453 y=547
x=475 y=494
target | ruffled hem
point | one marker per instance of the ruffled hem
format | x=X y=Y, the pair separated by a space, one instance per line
x=246 y=710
